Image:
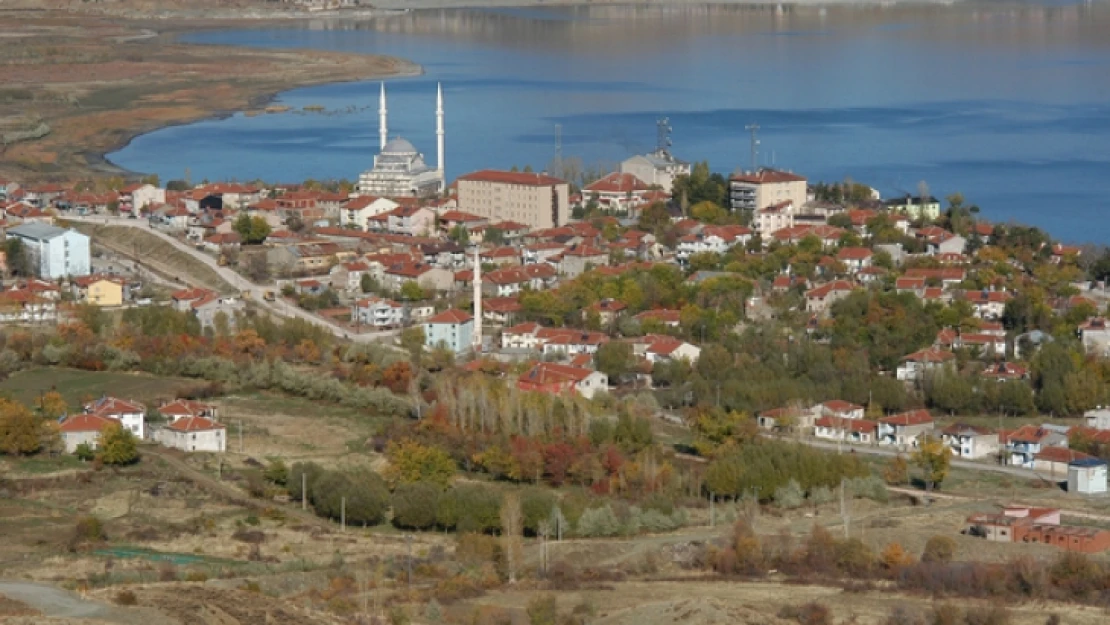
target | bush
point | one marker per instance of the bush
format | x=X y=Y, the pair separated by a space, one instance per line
x=811 y=613
x=536 y=504
x=542 y=610
x=871 y=487
x=598 y=522
x=88 y=529
x=939 y=549
x=994 y=615
x=310 y=470
x=85 y=452
x=126 y=597
x=469 y=508
x=277 y=473
x=821 y=495
x=415 y=505
x=789 y=496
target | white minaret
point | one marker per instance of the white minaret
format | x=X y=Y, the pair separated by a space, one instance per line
x=477 y=295
x=439 y=137
x=383 y=125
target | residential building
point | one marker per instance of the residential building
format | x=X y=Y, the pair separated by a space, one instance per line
x=970 y=441
x=914 y=207
x=618 y=192
x=658 y=169
x=905 y=429
x=1095 y=334
x=1003 y=371
x=854 y=259
x=536 y=200
x=1087 y=476
x=193 y=434
x=608 y=310
x=100 y=291
x=820 y=299
x=427 y=276
x=378 y=312
x=657 y=348
x=1098 y=419
x=712 y=239
x=24 y=306
x=54 y=252
x=130 y=414
x=83 y=428
x=557 y=379
x=787 y=417
x=500 y=311
x=859 y=431
x=182 y=408
x=915 y=366
x=452 y=329
x=411 y=221
x=987 y=304
x=348 y=276
x=667 y=318
x=772 y=218
x=358 y=211
x=581 y=258
x=1024 y=443
x=766 y=187
x=839 y=409
x=209 y=310
x=1052 y=462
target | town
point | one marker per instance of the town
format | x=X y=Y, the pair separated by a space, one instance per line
x=641 y=333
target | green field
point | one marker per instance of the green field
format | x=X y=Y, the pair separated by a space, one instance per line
x=74 y=385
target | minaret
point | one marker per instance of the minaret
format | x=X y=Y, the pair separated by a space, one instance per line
x=383 y=126
x=439 y=136
x=477 y=297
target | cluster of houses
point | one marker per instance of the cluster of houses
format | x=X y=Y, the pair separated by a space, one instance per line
x=188 y=426
x=1040 y=448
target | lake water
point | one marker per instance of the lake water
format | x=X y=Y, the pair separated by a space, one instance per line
x=1009 y=104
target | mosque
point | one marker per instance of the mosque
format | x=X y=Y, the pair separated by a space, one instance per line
x=399 y=169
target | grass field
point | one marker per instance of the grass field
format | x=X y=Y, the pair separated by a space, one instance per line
x=74 y=385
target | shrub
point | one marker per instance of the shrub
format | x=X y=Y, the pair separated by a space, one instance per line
x=811 y=613
x=85 y=452
x=126 y=597
x=277 y=473
x=821 y=495
x=939 y=549
x=901 y=615
x=310 y=470
x=469 y=508
x=598 y=522
x=789 y=496
x=994 y=615
x=88 y=529
x=536 y=504
x=542 y=610
x=854 y=558
x=415 y=505
x=871 y=487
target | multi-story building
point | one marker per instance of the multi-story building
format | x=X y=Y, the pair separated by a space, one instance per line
x=536 y=200
x=759 y=189
x=54 y=252
x=659 y=168
x=400 y=171
x=453 y=329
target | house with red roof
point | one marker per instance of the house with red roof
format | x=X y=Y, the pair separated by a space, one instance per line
x=83 y=429
x=194 y=433
x=785 y=417
x=855 y=259
x=378 y=312
x=24 y=306
x=356 y=212
x=757 y=189
x=668 y=318
x=658 y=348
x=1095 y=334
x=915 y=366
x=510 y=281
x=452 y=329
x=182 y=408
x=820 y=299
x=905 y=429
x=557 y=379
x=1003 y=371
x=617 y=192
x=581 y=258
x=839 y=408
x=607 y=310
x=1052 y=462
x=1024 y=443
x=859 y=431
x=500 y=311
x=501 y=256
x=987 y=304
x=568 y=342
x=130 y=414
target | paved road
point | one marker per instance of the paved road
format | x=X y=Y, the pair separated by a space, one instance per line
x=53 y=601
x=238 y=282
x=963 y=464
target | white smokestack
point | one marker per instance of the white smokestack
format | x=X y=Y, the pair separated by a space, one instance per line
x=383 y=125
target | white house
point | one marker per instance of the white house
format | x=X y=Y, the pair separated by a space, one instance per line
x=774 y=218
x=194 y=434
x=131 y=414
x=452 y=329
x=916 y=365
x=905 y=429
x=83 y=428
x=1099 y=418
x=659 y=168
x=1095 y=334
x=54 y=252
x=358 y=211
x=549 y=377
x=970 y=441
x=378 y=312
x=847 y=430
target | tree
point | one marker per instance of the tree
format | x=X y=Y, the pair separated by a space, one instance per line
x=934 y=459
x=493 y=236
x=252 y=230
x=897 y=471
x=412 y=341
x=367 y=283
x=459 y=234
x=615 y=359
x=411 y=291
x=512 y=527
x=939 y=549
x=415 y=504
x=20 y=431
x=19 y=262
x=117 y=445
x=53 y=405
x=410 y=461
x=258 y=268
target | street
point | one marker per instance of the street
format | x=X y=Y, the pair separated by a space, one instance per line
x=255 y=292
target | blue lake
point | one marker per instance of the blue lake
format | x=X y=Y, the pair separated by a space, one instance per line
x=1008 y=104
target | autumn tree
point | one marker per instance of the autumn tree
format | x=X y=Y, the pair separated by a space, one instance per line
x=410 y=461
x=934 y=460
x=512 y=528
x=53 y=405
x=939 y=549
x=251 y=230
x=896 y=472
x=397 y=377
x=615 y=359
x=117 y=445
x=894 y=557
x=20 y=431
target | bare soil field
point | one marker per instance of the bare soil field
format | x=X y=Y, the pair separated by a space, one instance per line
x=76 y=86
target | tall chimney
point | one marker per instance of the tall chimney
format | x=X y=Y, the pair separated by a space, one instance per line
x=383 y=125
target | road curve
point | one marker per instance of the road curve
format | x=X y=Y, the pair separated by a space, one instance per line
x=237 y=281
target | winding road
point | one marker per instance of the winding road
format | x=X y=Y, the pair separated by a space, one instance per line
x=279 y=308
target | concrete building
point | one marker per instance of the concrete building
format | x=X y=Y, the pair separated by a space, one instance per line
x=99 y=290
x=130 y=414
x=914 y=207
x=549 y=377
x=905 y=429
x=83 y=428
x=54 y=252
x=754 y=190
x=1087 y=476
x=399 y=169
x=1099 y=418
x=773 y=218
x=378 y=312
x=194 y=434
x=658 y=168
x=969 y=441
x=358 y=211
x=452 y=328
x=536 y=200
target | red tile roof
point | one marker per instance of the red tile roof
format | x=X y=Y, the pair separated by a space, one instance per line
x=451 y=315
x=930 y=354
x=767 y=176
x=194 y=424
x=617 y=182
x=86 y=423
x=510 y=177
x=913 y=417
x=840 y=423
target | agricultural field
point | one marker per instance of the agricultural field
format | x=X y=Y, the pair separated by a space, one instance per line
x=76 y=385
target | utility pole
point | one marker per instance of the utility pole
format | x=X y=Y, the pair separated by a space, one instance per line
x=304 y=490
x=844 y=515
x=343 y=513
x=408 y=539
x=754 y=129
x=240 y=436
x=712 y=515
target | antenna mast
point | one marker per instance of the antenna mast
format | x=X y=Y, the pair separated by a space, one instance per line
x=754 y=129
x=663 y=135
